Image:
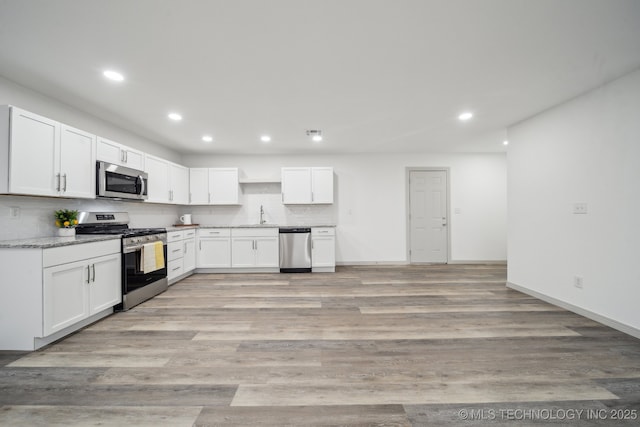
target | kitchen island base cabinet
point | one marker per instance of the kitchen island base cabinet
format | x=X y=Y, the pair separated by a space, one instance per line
x=49 y=293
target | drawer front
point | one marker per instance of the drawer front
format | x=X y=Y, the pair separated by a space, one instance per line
x=323 y=231
x=188 y=234
x=66 y=254
x=174 y=268
x=254 y=232
x=174 y=236
x=175 y=250
x=214 y=232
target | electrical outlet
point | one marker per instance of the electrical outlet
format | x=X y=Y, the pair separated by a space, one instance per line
x=14 y=212
x=579 y=208
x=577 y=282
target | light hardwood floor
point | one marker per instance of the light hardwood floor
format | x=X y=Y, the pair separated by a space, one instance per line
x=410 y=345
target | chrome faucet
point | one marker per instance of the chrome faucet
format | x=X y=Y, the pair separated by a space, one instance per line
x=262 y=220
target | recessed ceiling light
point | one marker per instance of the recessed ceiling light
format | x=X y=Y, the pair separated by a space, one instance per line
x=175 y=116
x=265 y=138
x=317 y=138
x=207 y=138
x=465 y=116
x=505 y=142
x=113 y=75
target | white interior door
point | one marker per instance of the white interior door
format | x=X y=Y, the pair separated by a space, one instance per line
x=428 y=216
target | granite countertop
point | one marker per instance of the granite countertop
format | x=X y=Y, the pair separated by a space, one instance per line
x=54 y=242
x=181 y=227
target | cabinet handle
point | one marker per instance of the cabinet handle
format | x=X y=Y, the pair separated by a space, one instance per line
x=323 y=232
x=169 y=195
x=312 y=196
x=312 y=245
x=58 y=180
x=176 y=268
x=122 y=157
x=184 y=248
x=175 y=250
x=200 y=244
x=209 y=199
x=88 y=274
x=64 y=189
x=93 y=276
x=189 y=197
x=126 y=156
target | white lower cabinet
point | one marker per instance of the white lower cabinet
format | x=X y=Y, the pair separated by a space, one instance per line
x=323 y=249
x=181 y=254
x=214 y=248
x=75 y=291
x=255 y=247
x=62 y=289
x=238 y=249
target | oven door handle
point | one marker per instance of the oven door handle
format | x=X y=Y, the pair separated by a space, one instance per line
x=129 y=249
x=142 y=186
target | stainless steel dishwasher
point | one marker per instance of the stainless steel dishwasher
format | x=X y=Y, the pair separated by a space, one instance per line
x=295 y=250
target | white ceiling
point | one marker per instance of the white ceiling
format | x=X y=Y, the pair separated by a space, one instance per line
x=374 y=75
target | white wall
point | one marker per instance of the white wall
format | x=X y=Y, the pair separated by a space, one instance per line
x=587 y=150
x=370 y=202
x=14 y=94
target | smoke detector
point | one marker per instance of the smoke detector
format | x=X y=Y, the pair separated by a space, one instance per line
x=315 y=134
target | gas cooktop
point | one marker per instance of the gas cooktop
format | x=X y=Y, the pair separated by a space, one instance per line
x=111 y=223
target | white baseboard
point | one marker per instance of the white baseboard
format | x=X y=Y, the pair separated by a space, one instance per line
x=358 y=263
x=476 y=261
x=629 y=330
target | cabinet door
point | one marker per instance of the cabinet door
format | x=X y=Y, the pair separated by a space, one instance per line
x=267 y=252
x=109 y=151
x=105 y=288
x=77 y=163
x=159 y=188
x=179 y=180
x=65 y=299
x=243 y=252
x=296 y=185
x=224 y=186
x=214 y=253
x=322 y=185
x=323 y=251
x=199 y=186
x=34 y=154
x=189 y=259
x=133 y=159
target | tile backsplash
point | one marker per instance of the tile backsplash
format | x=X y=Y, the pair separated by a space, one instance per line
x=35 y=216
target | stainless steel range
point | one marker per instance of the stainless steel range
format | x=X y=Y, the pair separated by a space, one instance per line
x=140 y=281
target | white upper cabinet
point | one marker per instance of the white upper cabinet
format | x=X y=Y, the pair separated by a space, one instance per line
x=77 y=163
x=45 y=157
x=158 y=182
x=199 y=186
x=214 y=186
x=179 y=182
x=322 y=185
x=168 y=182
x=296 y=185
x=118 y=154
x=307 y=185
x=223 y=186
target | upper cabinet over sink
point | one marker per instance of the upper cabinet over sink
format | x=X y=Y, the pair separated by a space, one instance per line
x=306 y=186
x=40 y=156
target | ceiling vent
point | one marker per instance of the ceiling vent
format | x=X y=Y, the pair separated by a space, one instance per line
x=315 y=134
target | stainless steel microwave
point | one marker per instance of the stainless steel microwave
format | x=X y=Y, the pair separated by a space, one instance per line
x=119 y=182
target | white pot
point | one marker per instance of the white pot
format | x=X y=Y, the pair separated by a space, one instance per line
x=66 y=232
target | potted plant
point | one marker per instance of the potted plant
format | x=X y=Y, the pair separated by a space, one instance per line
x=66 y=221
